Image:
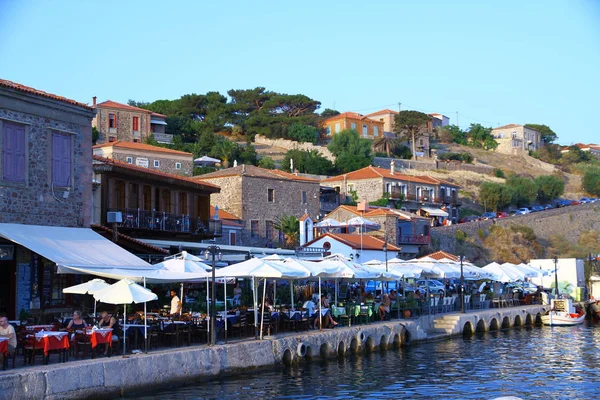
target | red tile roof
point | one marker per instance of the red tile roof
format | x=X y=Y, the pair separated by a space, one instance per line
x=128 y=238
x=438 y=255
x=371 y=172
x=348 y=115
x=120 y=164
x=121 y=106
x=27 y=89
x=141 y=146
x=386 y=111
x=223 y=214
x=368 y=242
x=509 y=126
x=256 y=172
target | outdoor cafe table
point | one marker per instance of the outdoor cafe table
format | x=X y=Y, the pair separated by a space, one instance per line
x=4 y=346
x=39 y=327
x=100 y=336
x=53 y=341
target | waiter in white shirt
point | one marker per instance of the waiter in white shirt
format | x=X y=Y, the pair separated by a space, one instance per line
x=175 y=304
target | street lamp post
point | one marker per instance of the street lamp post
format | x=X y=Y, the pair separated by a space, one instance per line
x=556 y=276
x=214 y=251
x=462 y=286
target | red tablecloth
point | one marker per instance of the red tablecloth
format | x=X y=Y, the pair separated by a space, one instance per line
x=53 y=342
x=4 y=347
x=100 y=336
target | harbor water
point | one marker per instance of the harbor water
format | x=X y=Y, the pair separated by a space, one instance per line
x=528 y=362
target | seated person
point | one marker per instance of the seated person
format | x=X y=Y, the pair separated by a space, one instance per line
x=76 y=326
x=268 y=306
x=108 y=321
x=393 y=296
x=384 y=307
x=8 y=331
x=327 y=319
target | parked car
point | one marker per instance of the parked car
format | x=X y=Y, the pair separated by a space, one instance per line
x=435 y=286
x=584 y=200
x=523 y=211
x=512 y=213
x=469 y=218
x=548 y=206
x=502 y=214
x=593 y=199
x=488 y=215
x=575 y=202
x=563 y=203
x=537 y=208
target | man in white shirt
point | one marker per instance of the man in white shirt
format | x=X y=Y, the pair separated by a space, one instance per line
x=175 y=304
x=7 y=331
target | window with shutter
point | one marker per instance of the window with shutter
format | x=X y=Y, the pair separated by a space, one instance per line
x=13 y=152
x=61 y=159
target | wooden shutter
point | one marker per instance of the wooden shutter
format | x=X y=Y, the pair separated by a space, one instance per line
x=13 y=152
x=61 y=159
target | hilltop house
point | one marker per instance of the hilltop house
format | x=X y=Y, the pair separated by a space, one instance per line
x=115 y=121
x=366 y=127
x=416 y=193
x=259 y=197
x=514 y=138
x=144 y=155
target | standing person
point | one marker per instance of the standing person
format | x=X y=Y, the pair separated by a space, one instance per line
x=237 y=294
x=8 y=331
x=175 y=304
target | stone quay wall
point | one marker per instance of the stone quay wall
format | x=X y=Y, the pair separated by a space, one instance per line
x=569 y=222
x=111 y=377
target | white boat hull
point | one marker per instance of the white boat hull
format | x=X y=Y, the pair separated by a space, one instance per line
x=560 y=318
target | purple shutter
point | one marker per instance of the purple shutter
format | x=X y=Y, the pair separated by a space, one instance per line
x=13 y=152
x=61 y=159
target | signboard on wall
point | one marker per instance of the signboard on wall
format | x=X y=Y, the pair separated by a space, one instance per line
x=141 y=162
x=23 y=288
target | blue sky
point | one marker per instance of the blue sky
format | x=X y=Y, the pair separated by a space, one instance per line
x=492 y=62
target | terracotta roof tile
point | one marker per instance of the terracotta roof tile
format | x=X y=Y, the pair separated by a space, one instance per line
x=128 y=238
x=252 y=171
x=438 y=255
x=141 y=146
x=223 y=214
x=121 y=106
x=368 y=242
x=371 y=172
x=154 y=114
x=386 y=111
x=120 y=164
x=509 y=126
x=27 y=89
x=348 y=115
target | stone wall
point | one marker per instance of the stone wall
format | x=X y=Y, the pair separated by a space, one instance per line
x=569 y=222
x=166 y=162
x=293 y=145
x=124 y=130
x=37 y=201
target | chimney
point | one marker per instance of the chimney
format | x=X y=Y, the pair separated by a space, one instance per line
x=392 y=167
x=94 y=101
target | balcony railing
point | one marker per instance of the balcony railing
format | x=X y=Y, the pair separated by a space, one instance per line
x=413 y=239
x=161 y=221
x=422 y=199
x=448 y=199
x=396 y=193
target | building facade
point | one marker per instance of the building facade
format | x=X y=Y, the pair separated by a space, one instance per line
x=115 y=121
x=514 y=138
x=366 y=127
x=259 y=197
x=46 y=142
x=152 y=157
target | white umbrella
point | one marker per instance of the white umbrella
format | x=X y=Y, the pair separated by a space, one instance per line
x=360 y=221
x=183 y=265
x=501 y=274
x=328 y=222
x=206 y=160
x=125 y=292
x=89 y=287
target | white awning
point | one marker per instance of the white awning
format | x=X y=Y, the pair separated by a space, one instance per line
x=434 y=212
x=157 y=122
x=83 y=251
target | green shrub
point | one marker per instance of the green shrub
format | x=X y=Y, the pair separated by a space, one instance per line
x=460 y=236
x=498 y=173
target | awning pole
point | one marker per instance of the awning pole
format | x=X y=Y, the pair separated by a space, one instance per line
x=225 y=292
x=320 y=319
x=145 y=324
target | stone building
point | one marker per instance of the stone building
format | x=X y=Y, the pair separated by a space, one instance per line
x=259 y=197
x=46 y=166
x=514 y=138
x=414 y=192
x=147 y=156
x=115 y=121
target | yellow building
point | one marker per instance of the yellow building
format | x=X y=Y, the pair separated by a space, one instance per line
x=365 y=126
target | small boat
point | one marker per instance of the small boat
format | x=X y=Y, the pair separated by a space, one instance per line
x=563 y=313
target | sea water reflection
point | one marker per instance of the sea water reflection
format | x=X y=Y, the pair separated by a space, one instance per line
x=531 y=363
